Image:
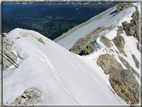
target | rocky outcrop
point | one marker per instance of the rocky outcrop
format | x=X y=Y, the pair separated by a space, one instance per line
x=109 y=64
x=106 y=41
x=30 y=96
x=122 y=6
x=119 y=43
x=130 y=68
x=132 y=29
x=87 y=50
x=122 y=81
x=7 y=51
x=136 y=61
x=82 y=44
x=126 y=86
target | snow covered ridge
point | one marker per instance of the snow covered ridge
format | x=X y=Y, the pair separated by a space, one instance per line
x=62 y=77
x=113 y=42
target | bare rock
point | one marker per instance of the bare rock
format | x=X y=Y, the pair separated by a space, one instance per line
x=87 y=50
x=136 y=61
x=30 y=96
x=130 y=68
x=132 y=29
x=122 y=81
x=7 y=51
x=120 y=43
x=106 y=41
x=122 y=6
x=126 y=87
x=82 y=44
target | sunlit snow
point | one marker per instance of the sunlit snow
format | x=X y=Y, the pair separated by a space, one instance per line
x=61 y=76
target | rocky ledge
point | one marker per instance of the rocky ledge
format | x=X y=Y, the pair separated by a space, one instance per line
x=7 y=51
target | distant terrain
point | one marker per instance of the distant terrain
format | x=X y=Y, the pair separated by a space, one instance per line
x=50 y=19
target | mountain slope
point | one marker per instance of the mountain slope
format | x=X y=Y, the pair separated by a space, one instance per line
x=111 y=40
x=61 y=76
x=107 y=20
x=107 y=73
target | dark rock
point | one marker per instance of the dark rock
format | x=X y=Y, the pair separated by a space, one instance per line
x=106 y=41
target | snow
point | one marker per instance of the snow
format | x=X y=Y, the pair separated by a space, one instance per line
x=61 y=76
x=108 y=20
x=65 y=78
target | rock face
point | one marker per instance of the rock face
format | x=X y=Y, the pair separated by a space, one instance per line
x=121 y=80
x=109 y=64
x=106 y=41
x=81 y=45
x=84 y=45
x=122 y=6
x=120 y=43
x=132 y=29
x=126 y=87
x=7 y=50
x=128 y=66
x=87 y=50
x=30 y=96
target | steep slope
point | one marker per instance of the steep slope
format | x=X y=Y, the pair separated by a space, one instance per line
x=56 y=75
x=105 y=19
x=112 y=40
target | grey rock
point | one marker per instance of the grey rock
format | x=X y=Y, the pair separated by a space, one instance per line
x=7 y=50
x=122 y=6
x=130 y=68
x=109 y=64
x=87 y=50
x=122 y=81
x=132 y=29
x=136 y=61
x=126 y=87
x=106 y=41
x=119 y=43
x=81 y=45
x=30 y=96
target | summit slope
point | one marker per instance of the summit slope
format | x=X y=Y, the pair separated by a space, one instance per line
x=61 y=76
